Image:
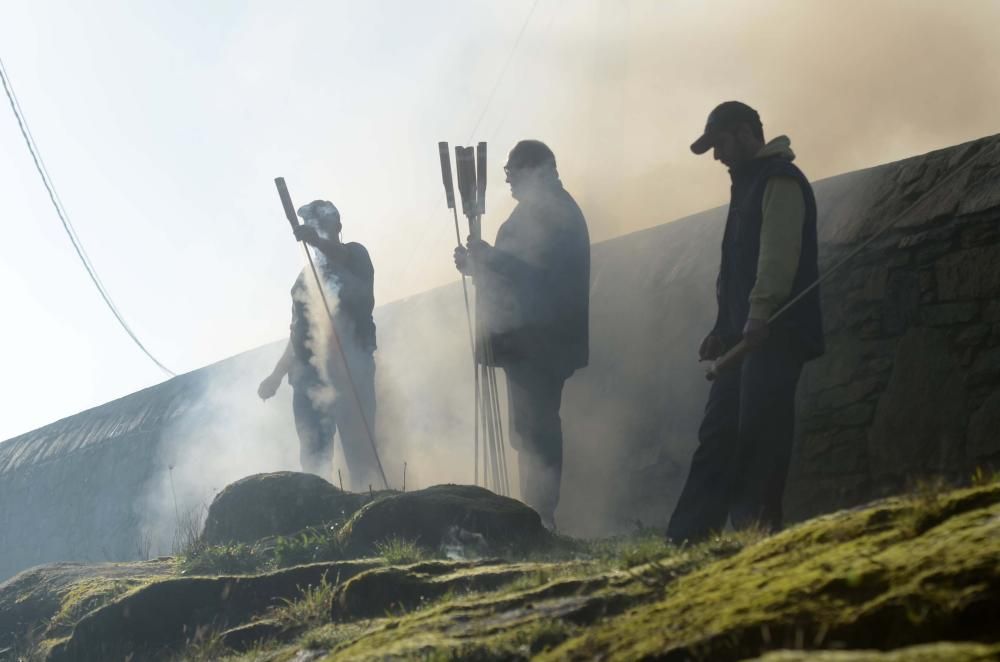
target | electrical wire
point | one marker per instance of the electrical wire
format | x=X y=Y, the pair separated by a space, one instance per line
x=503 y=70
x=64 y=218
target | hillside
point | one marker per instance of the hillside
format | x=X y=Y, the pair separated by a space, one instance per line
x=910 y=578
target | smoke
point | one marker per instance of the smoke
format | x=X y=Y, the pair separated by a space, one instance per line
x=229 y=433
x=315 y=297
x=618 y=90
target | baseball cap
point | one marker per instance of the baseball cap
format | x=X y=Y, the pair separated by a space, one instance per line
x=726 y=115
x=318 y=209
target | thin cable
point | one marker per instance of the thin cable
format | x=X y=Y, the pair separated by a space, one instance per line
x=404 y=268
x=503 y=70
x=64 y=219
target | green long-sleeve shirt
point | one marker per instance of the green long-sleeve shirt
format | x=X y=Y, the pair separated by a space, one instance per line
x=784 y=212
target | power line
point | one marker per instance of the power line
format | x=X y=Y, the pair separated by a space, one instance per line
x=503 y=70
x=64 y=217
x=405 y=268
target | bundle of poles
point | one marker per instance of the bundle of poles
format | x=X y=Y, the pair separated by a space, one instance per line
x=488 y=439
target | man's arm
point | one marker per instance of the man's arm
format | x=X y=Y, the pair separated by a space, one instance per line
x=501 y=262
x=333 y=250
x=784 y=213
x=358 y=287
x=270 y=385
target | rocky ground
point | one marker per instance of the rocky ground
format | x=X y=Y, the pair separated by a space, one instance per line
x=455 y=572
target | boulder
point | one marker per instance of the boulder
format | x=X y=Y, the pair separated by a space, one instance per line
x=276 y=504
x=433 y=517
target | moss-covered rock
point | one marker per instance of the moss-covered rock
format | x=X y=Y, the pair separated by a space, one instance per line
x=276 y=504
x=443 y=515
x=905 y=572
x=912 y=578
x=163 y=614
x=940 y=652
x=389 y=590
x=46 y=601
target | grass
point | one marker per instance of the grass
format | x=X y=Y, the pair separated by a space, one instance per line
x=232 y=559
x=310 y=609
x=399 y=551
x=902 y=568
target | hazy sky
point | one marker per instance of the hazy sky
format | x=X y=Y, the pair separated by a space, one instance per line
x=164 y=123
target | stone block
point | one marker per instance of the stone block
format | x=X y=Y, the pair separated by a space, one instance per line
x=986 y=367
x=902 y=302
x=873 y=288
x=981 y=192
x=984 y=430
x=972 y=273
x=991 y=311
x=920 y=420
x=942 y=235
x=848 y=394
x=973 y=336
x=857 y=414
x=981 y=233
x=949 y=314
x=835 y=452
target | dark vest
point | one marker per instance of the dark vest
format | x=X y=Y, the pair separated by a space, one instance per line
x=802 y=324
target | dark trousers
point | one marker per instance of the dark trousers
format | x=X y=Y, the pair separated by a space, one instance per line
x=535 y=395
x=320 y=411
x=745 y=443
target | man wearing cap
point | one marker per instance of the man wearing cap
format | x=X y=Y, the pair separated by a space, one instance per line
x=322 y=398
x=534 y=290
x=769 y=257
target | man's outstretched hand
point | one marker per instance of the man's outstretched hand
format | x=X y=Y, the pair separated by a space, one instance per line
x=268 y=387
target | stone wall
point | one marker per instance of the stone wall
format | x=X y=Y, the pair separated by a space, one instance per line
x=910 y=386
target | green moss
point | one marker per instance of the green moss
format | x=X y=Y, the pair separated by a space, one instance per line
x=229 y=559
x=399 y=551
x=898 y=576
x=937 y=652
x=864 y=578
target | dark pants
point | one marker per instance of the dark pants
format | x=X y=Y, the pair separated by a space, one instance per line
x=320 y=411
x=535 y=395
x=745 y=443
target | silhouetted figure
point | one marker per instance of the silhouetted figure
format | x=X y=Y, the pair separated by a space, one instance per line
x=322 y=400
x=769 y=256
x=534 y=291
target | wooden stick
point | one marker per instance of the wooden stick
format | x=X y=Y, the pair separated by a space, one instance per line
x=727 y=360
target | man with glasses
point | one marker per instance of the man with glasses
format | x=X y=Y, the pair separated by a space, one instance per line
x=769 y=257
x=534 y=292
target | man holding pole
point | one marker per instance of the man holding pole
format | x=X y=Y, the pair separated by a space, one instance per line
x=769 y=259
x=322 y=384
x=534 y=289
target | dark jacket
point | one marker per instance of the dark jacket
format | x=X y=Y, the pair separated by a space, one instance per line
x=534 y=290
x=350 y=286
x=802 y=324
